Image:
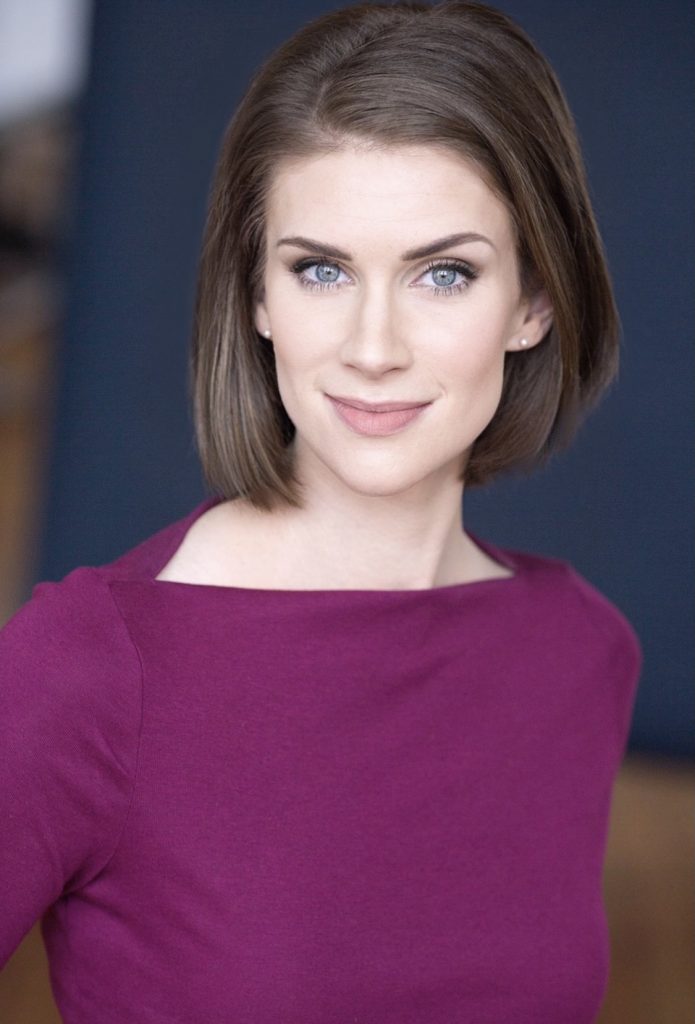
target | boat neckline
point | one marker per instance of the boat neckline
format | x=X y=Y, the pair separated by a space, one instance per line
x=507 y=559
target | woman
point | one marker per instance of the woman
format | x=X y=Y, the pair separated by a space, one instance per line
x=315 y=753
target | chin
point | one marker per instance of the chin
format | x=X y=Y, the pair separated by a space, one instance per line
x=382 y=478
x=375 y=471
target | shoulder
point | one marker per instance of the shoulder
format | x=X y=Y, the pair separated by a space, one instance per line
x=581 y=635
x=64 y=617
x=573 y=607
x=67 y=662
x=615 y=655
x=600 y=617
x=70 y=639
x=76 y=621
x=70 y=727
x=584 y=624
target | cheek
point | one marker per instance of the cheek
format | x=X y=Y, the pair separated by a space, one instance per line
x=300 y=331
x=472 y=373
x=298 y=352
x=473 y=360
x=299 y=361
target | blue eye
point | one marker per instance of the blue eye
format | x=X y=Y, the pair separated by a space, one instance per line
x=444 y=274
x=327 y=273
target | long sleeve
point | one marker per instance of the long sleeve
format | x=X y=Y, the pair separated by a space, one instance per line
x=393 y=803
x=70 y=711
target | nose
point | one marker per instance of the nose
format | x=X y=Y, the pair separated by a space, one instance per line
x=374 y=341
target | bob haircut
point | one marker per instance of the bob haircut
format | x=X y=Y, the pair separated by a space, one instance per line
x=458 y=75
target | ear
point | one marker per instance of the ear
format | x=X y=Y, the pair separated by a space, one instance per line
x=533 y=322
x=260 y=317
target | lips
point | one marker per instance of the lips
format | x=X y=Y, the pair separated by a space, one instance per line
x=356 y=403
x=375 y=420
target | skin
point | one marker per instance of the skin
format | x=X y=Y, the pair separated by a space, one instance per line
x=383 y=512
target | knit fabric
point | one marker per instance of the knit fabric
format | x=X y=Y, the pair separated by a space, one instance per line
x=313 y=807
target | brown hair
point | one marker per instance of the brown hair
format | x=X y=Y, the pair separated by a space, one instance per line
x=456 y=74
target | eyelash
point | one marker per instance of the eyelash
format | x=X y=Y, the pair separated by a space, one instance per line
x=452 y=289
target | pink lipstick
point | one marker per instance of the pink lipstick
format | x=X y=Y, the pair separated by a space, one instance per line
x=381 y=419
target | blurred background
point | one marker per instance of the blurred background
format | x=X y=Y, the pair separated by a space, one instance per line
x=111 y=115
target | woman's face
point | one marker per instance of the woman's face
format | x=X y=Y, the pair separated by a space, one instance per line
x=355 y=312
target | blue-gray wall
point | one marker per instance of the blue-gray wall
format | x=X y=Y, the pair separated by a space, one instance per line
x=165 y=78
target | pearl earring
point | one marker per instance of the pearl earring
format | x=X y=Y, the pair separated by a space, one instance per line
x=266 y=332
x=523 y=342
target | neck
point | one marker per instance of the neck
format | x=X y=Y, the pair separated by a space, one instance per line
x=344 y=539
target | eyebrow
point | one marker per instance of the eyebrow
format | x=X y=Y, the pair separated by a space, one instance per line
x=411 y=254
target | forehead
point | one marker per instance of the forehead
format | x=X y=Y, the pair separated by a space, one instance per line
x=353 y=189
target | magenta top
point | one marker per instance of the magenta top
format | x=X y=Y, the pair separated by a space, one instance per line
x=313 y=807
